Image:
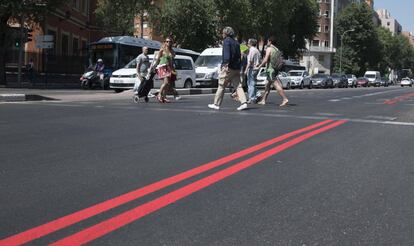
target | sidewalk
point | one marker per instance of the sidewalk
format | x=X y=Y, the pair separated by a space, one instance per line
x=42 y=94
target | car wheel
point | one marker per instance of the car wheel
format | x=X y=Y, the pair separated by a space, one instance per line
x=288 y=87
x=402 y=86
x=118 y=90
x=188 y=84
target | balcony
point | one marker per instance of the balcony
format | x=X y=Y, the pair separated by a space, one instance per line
x=322 y=49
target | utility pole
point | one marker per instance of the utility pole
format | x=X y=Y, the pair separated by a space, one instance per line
x=21 y=43
x=340 y=57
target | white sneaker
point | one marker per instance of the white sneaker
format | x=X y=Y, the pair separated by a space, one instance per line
x=242 y=107
x=213 y=106
x=177 y=98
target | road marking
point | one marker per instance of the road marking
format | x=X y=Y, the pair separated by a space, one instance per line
x=310 y=117
x=398 y=99
x=378 y=117
x=68 y=220
x=364 y=95
x=103 y=228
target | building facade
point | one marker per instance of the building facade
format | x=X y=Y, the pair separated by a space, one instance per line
x=321 y=50
x=410 y=37
x=73 y=28
x=389 y=22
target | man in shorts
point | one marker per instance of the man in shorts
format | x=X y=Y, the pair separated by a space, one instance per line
x=272 y=71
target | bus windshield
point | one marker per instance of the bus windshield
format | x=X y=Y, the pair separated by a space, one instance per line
x=208 y=61
x=106 y=52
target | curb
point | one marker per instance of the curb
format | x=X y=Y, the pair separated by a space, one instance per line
x=23 y=97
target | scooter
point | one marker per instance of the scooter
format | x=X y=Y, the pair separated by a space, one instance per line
x=88 y=79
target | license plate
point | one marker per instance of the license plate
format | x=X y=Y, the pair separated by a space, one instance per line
x=118 y=81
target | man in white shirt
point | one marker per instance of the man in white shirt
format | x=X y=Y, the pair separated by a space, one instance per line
x=253 y=60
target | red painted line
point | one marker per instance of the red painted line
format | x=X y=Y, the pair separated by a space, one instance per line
x=398 y=99
x=136 y=213
x=68 y=220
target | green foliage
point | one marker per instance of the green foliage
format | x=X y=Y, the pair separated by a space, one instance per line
x=121 y=21
x=191 y=23
x=290 y=21
x=370 y=47
x=364 y=41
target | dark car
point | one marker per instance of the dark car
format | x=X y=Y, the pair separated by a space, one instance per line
x=385 y=82
x=322 y=81
x=362 y=81
x=340 y=80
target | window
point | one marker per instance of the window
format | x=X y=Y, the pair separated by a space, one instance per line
x=75 y=46
x=65 y=44
x=315 y=43
x=321 y=58
x=327 y=14
x=326 y=43
x=53 y=33
x=83 y=47
x=318 y=28
x=326 y=28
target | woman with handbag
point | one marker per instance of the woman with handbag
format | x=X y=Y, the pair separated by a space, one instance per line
x=165 y=68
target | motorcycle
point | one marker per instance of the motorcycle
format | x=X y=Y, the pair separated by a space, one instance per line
x=90 y=78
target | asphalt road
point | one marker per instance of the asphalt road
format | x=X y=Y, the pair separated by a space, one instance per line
x=111 y=172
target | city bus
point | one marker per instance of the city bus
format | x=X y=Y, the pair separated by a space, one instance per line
x=117 y=52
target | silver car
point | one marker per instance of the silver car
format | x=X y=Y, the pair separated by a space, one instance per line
x=284 y=78
x=300 y=79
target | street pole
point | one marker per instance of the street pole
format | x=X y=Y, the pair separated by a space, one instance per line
x=342 y=47
x=20 y=61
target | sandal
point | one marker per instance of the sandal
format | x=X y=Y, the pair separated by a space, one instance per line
x=284 y=103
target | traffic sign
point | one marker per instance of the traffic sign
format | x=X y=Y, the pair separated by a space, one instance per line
x=46 y=45
x=44 y=38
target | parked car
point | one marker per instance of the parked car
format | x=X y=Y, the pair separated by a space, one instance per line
x=385 y=82
x=340 y=80
x=322 y=81
x=261 y=79
x=208 y=67
x=352 y=80
x=124 y=78
x=374 y=77
x=363 y=82
x=300 y=79
x=406 y=82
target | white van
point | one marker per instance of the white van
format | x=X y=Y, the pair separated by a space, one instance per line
x=125 y=78
x=208 y=66
x=374 y=78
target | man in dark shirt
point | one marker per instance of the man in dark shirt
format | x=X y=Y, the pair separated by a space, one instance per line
x=230 y=70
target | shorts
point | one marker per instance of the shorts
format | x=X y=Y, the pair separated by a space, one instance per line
x=272 y=75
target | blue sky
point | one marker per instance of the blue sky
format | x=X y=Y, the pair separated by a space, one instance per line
x=402 y=10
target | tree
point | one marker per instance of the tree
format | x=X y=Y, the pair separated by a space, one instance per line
x=27 y=13
x=363 y=41
x=292 y=22
x=192 y=24
x=121 y=21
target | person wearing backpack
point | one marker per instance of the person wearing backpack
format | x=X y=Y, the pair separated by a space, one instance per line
x=274 y=62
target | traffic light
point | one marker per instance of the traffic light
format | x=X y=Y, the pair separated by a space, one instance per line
x=17 y=42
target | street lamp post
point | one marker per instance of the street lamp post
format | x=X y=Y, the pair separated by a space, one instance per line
x=340 y=57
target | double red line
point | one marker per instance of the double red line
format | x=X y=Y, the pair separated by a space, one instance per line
x=398 y=99
x=140 y=211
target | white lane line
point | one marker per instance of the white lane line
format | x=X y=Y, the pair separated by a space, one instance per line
x=327 y=114
x=379 y=117
x=382 y=122
x=364 y=95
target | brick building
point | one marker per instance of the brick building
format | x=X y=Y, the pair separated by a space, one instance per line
x=73 y=27
x=321 y=50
